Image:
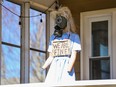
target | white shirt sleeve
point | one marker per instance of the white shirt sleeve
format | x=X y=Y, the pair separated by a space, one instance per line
x=76 y=43
x=50 y=48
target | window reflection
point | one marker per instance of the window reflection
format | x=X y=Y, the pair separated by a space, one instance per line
x=100 y=61
x=37 y=30
x=100 y=68
x=37 y=59
x=100 y=38
x=10 y=70
x=38 y=44
x=10 y=23
x=10 y=57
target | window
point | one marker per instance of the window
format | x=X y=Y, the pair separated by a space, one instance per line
x=10 y=56
x=100 y=68
x=37 y=45
x=100 y=62
x=98 y=44
x=14 y=59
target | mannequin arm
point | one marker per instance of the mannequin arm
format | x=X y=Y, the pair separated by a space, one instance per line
x=72 y=60
x=48 y=61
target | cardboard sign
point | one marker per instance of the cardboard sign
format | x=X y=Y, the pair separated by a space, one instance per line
x=61 y=47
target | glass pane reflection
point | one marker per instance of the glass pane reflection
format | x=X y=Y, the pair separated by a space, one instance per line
x=100 y=38
x=37 y=59
x=10 y=23
x=37 y=30
x=10 y=67
x=100 y=68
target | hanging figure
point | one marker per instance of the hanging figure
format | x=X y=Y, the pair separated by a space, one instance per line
x=63 y=47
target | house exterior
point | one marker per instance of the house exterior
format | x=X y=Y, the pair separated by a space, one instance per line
x=96 y=47
x=95 y=64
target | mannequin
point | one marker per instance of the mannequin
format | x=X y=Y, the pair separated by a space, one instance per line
x=63 y=47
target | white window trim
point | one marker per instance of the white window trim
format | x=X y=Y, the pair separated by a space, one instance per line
x=0 y=36
x=85 y=16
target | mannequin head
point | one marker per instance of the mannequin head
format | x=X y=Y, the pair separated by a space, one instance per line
x=66 y=13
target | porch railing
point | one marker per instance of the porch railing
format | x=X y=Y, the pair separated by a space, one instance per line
x=82 y=83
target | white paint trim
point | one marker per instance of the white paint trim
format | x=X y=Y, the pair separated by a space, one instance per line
x=52 y=24
x=85 y=83
x=0 y=37
x=81 y=53
x=114 y=44
x=86 y=18
x=25 y=43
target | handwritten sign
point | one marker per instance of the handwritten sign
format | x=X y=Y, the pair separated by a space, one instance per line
x=61 y=47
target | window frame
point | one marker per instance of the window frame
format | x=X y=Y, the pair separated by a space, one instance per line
x=0 y=37
x=25 y=78
x=34 y=49
x=86 y=18
x=5 y=43
x=93 y=59
x=39 y=50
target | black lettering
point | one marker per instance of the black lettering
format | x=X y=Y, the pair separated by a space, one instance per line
x=56 y=45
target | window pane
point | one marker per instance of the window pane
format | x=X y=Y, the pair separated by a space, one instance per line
x=100 y=68
x=37 y=59
x=37 y=30
x=100 y=38
x=10 y=23
x=10 y=70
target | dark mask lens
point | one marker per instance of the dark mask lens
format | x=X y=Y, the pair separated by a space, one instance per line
x=61 y=22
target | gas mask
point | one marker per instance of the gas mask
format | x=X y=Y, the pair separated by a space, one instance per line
x=61 y=23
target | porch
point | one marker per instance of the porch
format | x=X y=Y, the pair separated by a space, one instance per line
x=82 y=83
